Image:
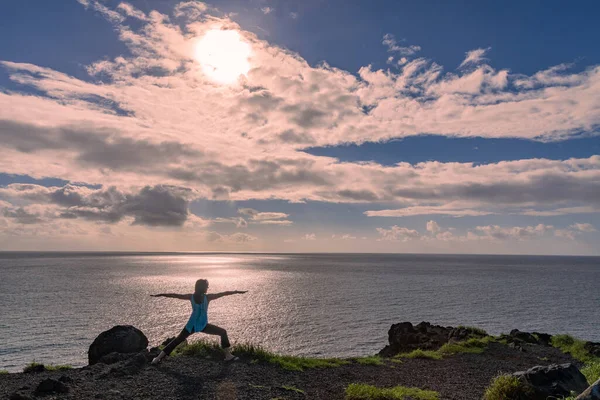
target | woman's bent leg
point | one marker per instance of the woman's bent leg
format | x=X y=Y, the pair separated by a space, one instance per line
x=184 y=334
x=216 y=330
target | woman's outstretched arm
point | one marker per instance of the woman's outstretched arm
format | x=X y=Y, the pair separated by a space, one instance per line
x=173 y=296
x=214 y=296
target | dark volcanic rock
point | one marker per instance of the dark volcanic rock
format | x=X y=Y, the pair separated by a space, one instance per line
x=34 y=368
x=532 y=338
x=18 y=396
x=591 y=393
x=593 y=348
x=405 y=337
x=119 y=339
x=553 y=381
x=130 y=367
x=48 y=386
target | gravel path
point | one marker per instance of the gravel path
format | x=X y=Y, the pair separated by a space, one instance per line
x=459 y=377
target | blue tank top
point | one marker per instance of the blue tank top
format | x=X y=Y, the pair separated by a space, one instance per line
x=199 y=317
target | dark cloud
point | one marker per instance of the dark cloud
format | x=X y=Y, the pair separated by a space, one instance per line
x=151 y=206
x=290 y=136
x=21 y=216
x=94 y=147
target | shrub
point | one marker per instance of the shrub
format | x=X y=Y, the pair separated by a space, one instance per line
x=359 y=391
x=505 y=387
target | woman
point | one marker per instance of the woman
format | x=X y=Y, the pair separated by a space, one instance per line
x=198 y=321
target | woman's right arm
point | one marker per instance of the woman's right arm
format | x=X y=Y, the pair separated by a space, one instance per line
x=173 y=296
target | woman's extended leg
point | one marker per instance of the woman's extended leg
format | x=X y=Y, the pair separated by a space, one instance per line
x=216 y=330
x=184 y=334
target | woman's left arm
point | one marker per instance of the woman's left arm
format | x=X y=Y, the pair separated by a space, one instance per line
x=214 y=296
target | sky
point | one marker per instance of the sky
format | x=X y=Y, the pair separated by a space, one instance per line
x=314 y=126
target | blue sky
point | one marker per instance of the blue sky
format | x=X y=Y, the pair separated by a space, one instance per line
x=398 y=126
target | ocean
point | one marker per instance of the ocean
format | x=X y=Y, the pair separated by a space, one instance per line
x=53 y=305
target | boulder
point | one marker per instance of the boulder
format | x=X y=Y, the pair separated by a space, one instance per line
x=554 y=381
x=591 y=393
x=531 y=338
x=405 y=337
x=49 y=386
x=463 y=333
x=119 y=339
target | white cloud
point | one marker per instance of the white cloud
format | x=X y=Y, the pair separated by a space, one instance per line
x=398 y=233
x=136 y=123
x=309 y=236
x=433 y=227
x=294 y=15
x=516 y=232
x=583 y=227
x=389 y=40
x=474 y=57
x=267 y=10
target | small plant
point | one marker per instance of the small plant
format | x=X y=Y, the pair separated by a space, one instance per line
x=3 y=372
x=575 y=347
x=359 y=391
x=58 y=367
x=200 y=348
x=506 y=387
x=372 y=360
x=292 y=389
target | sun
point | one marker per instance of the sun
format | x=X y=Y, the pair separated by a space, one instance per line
x=223 y=55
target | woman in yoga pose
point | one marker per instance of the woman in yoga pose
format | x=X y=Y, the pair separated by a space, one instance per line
x=198 y=321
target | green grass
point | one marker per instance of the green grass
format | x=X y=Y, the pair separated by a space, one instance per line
x=31 y=366
x=258 y=354
x=292 y=389
x=591 y=371
x=418 y=353
x=359 y=391
x=575 y=347
x=3 y=372
x=473 y=346
x=372 y=360
x=505 y=387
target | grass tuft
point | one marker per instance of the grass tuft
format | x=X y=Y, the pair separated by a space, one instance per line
x=371 y=360
x=3 y=372
x=418 y=353
x=34 y=365
x=200 y=348
x=505 y=387
x=359 y=391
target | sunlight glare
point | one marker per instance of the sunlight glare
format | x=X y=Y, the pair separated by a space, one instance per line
x=223 y=55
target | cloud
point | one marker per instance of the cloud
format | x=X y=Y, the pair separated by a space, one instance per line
x=389 y=40
x=397 y=233
x=265 y=218
x=433 y=227
x=150 y=206
x=237 y=237
x=294 y=15
x=267 y=10
x=474 y=57
x=150 y=121
x=517 y=232
x=309 y=236
x=583 y=227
